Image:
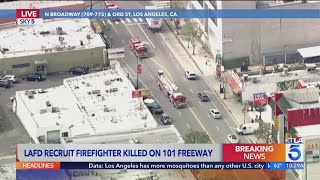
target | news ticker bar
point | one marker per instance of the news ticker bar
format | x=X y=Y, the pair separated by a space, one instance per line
x=158 y=165
x=141 y=13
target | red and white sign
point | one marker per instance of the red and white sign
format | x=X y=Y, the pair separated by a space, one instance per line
x=260 y=99
x=28 y=13
x=139 y=68
x=136 y=93
x=28 y=17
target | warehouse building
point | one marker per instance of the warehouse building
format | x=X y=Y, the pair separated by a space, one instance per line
x=257 y=41
x=56 y=45
x=38 y=5
x=84 y=106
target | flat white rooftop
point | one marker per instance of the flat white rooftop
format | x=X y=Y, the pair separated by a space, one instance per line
x=311 y=130
x=84 y=112
x=22 y=41
x=309 y=52
x=36 y=4
x=159 y=135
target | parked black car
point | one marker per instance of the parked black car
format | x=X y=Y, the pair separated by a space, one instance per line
x=79 y=70
x=165 y=119
x=203 y=97
x=33 y=77
x=157 y=110
x=5 y=83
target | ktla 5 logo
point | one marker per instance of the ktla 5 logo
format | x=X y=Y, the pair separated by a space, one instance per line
x=294 y=150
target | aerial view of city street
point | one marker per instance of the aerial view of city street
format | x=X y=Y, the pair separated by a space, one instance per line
x=161 y=81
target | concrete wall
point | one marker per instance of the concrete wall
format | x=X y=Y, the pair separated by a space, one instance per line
x=26 y=118
x=254 y=37
x=57 y=61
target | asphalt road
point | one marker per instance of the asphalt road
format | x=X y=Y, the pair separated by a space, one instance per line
x=195 y=116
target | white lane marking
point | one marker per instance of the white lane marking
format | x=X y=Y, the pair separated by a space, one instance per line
x=199 y=102
x=132 y=53
x=179 y=113
x=123 y=41
x=191 y=90
x=157 y=34
x=140 y=19
x=218 y=128
x=122 y=21
x=188 y=126
x=134 y=74
x=104 y=23
x=209 y=116
x=133 y=24
x=114 y=28
x=116 y=22
x=177 y=66
x=146 y=36
x=163 y=43
x=151 y=76
x=129 y=21
x=135 y=20
x=109 y=21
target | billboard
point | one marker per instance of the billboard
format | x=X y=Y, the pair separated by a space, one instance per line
x=260 y=99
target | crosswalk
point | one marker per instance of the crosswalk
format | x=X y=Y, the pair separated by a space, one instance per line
x=126 y=21
x=161 y=4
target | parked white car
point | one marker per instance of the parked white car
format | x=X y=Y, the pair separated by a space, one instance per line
x=191 y=74
x=233 y=139
x=9 y=77
x=215 y=113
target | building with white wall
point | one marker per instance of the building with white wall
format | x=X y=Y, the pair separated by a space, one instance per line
x=257 y=41
x=93 y=104
x=311 y=138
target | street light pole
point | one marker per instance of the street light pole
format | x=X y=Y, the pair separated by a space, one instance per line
x=137 y=86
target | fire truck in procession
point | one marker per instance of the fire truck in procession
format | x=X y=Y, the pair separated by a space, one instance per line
x=171 y=90
x=111 y=6
x=139 y=47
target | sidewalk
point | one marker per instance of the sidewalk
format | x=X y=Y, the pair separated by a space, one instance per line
x=188 y=61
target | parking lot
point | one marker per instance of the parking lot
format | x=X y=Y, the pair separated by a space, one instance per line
x=13 y=132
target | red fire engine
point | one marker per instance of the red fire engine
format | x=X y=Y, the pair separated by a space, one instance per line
x=171 y=90
x=139 y=47
x=111 y=6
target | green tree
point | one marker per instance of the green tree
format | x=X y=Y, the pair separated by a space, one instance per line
x=186 y=31
x=192 y=32
x=176 y=4
x=197 y=137
x=264 y=131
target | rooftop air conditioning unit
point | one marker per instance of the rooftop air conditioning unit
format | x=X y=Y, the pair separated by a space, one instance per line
x=88 y=84
x=254 y=80
x=245 y=77
x=59 y=30
x=49 y=109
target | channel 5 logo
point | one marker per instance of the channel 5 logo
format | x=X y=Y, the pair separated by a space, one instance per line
x=294 y=150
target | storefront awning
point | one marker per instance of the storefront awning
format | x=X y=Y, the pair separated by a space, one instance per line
x=234 y=86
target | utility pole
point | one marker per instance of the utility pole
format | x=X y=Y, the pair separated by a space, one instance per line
x=137 y=85
x=91 y=4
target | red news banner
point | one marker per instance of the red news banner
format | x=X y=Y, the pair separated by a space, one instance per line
x=28 y=17
x=254 y=152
